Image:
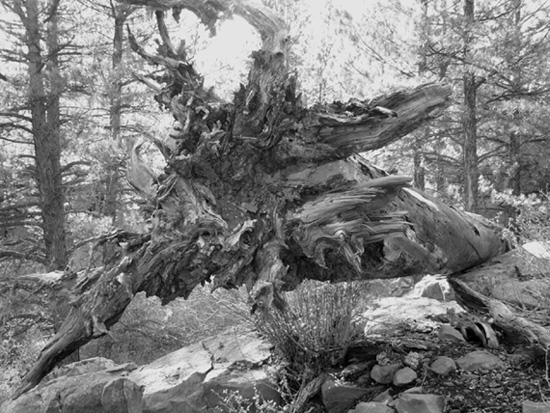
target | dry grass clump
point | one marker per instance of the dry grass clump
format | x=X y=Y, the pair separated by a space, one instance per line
x=318 y=326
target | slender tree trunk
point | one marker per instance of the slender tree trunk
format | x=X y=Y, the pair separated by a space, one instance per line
x=469 y=123
x=515 y=134
x=113 y=184
x=419 y=171
x=46 y=127
x=515 y=167
x=440 y=166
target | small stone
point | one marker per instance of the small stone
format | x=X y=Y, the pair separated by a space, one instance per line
x=339 y=398
x=479 y=360
x=420 y=403
x=412 y=360
x=448 y=333
x=469 y=376
x=355 y=369
x=404 y=376
x=372 y=407
x=384 y=397
x=534 y=407
x=443 y=365
x=384 y=374
x=364 y=379
x=417 y=389
x=434 y=291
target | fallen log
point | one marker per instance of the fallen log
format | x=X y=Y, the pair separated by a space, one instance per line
x=517 y=329
x=264 y=192
x=511 y=290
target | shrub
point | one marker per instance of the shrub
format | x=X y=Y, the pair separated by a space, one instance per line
x=316 y=329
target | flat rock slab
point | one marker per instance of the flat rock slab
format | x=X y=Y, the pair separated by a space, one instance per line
x=479 y=360
x=189 y=380
x=420 y=403
x=448 y=333
x=372 y=407
x=535 y=407
x=339 y=398
x=387 y=313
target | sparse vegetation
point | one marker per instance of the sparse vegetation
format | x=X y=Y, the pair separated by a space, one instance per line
x=317 y=328
x=15 y=354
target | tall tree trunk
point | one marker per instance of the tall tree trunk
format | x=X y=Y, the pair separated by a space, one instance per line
x=469 y=122
x=515 y=134
x=120 y=13
x=44 y=93
x=419 y=171
x=514 y=182
x=46 y=128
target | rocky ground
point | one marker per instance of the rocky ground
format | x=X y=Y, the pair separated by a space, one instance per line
x=509 y=386
x=522 y=377
x=422 y=339
x=413 y=358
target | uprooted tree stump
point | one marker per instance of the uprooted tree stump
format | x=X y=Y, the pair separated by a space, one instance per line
x=264 y=192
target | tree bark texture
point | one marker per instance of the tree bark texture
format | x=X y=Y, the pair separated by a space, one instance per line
x=113 y=184
x=264 y=192
x=45 y=88
x=469 y=121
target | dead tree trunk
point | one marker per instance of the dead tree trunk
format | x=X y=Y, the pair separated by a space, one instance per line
x=264 y=192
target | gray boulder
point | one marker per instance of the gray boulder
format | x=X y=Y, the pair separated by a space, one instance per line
x=534 y=407
x=338 y=398
x=448 y=333
x=384 y=374
x=372 y=407
x=443 y=365
x=404 y=376
x=479 y=360
x=189 y=380
x=420 y=403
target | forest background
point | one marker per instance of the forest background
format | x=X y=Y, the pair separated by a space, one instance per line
x=68 y=72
